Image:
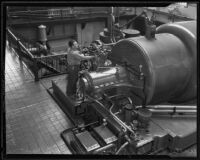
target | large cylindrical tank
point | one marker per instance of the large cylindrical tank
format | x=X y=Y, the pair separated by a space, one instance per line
x=169 y=62
x=42 y=35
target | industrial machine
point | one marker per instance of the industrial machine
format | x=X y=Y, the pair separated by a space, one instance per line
x=144 y=103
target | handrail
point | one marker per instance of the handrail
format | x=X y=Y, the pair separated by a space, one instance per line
x=9 y=31
x=52 y=63
x=27 y=51
x=50 y=56
x=53 y=12
x=19 y=42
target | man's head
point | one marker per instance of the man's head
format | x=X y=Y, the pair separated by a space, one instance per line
x=73 y=44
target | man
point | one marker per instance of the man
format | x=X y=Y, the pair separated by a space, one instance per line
x=74 y=58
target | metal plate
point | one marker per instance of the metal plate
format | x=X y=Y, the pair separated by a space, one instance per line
x=106 y=135
x=87 y=141
x=156 y=135
x=182 y=130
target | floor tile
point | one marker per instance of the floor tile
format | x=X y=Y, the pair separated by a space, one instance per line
x=33 y=120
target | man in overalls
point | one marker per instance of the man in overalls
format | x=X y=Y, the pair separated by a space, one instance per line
x=74 y=58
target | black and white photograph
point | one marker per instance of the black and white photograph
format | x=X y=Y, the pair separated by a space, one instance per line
x=99 y=79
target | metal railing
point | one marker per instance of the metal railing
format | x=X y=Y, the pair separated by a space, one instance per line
x=51 y=65
x=17 y=45
x=51 y=13
x=41 y=67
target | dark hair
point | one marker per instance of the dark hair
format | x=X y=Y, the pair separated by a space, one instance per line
x=71 y=42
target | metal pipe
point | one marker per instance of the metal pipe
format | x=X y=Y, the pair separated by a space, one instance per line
x=103 y=148
x=172 y=107
x=116 y=113
x=96 y=102
x=119 y=112
x=119 y=120
x=107 y=44
x=172 y=111
x=122 y=125
x=122 y=147
x=130 y=100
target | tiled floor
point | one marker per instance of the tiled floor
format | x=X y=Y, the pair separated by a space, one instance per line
x=33 y=120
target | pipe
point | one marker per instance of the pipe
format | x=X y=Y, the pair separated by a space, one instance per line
x=122 y=125
x=174 y=111
x=107 y=44
x=163 y=107
x=119 y=120
x=130 y=100
x=122 y=147
x=186 y=31
x=103 y=148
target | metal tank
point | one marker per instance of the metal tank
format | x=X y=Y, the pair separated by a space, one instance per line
x=42 y=36
x=168 y=62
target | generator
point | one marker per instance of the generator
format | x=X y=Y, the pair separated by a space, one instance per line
x=144 y=103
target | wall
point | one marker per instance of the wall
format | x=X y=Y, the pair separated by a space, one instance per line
x=190 y=11
x=88 y=32
x=59 y=36
x=26 y=32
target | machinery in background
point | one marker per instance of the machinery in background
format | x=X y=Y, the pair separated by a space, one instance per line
x=114 y=32
x=144 y=103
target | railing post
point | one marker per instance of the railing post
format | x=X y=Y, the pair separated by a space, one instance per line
x=35 y=69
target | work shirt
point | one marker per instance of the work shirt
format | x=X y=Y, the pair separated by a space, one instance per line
x=74 y=57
